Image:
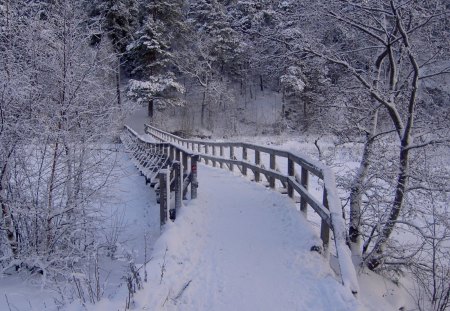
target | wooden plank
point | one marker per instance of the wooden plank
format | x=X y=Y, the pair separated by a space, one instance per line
x=304 y=163
x=291 y=173
x=219 y=160
x=184 y=162
x=257 y=162
x=231 y=157
x=304 y=182
x=214 y=154
x=264 y=149
x=316 y=205
x=325 y=228
x=272 y=167
x=244 y=158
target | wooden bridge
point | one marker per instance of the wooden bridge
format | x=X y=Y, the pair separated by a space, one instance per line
x=278 y=169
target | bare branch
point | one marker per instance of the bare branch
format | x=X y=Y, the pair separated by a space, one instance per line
x=398 y=123
x=369 y=30
x=442 y=72
x=428 y=143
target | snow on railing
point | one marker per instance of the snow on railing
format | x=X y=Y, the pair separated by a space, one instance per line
x=237 y=155
x=152 y=157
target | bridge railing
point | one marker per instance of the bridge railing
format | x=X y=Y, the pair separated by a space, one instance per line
x=264 y=164
x=151 y=157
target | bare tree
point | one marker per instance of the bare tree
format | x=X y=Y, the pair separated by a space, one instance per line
x=57 y=109
x=392 y=62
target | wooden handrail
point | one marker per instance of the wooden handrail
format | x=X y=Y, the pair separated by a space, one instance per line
x=329 y=209
x=172 y=152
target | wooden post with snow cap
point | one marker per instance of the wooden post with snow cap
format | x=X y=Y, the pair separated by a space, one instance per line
x=231 y=157
x=164 y=194
x=272 y=167
x=304 y=181
x=244 y=158
x=184 y=163
x=176 y=166
x=291 y=172
x=325 y=229
x=257 y=163
x=194 y=181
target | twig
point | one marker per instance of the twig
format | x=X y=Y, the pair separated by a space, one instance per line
x=316 y=143
x=180 y=293
x=7 y=301
x=163 y=266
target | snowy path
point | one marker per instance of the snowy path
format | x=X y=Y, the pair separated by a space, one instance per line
x=239 y=246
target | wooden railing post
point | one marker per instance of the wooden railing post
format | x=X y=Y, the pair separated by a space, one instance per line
x=206 y=152
x=186 y=180
x=172 y=152
x=214 y=154
x=184 y=162
x=221 y=155
x=231 y=157
x=177 y=189
x=194 y=181
x=164 y=194
x=291 y=172
x=257 y=162
x=324 y=228
x=272 y=167
x=244 y=158
x=304 y=182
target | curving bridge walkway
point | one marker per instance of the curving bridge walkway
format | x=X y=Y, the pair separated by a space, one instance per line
x=240 y=246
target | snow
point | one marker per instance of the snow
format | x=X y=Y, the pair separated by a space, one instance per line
x=132 y=213
x=240 y=246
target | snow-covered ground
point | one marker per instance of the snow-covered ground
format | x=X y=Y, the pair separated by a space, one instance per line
x=239 y=246
x=131 y=220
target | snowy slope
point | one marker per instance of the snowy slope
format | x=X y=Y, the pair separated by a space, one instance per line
x=131 y=219
x=239 y=246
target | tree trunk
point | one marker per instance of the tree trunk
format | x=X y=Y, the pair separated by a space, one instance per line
x=150 y=108
x=305 y=115
x=357 y=191
x=119 y=95
x=406 y=139
x=202 y=116
x=51 y=188
x=375 y=258
x=6 y=211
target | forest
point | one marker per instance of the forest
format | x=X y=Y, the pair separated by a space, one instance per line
x=370 y=79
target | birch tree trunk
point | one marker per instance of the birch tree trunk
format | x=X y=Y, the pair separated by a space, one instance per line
x=405 y=143
x=357 y=191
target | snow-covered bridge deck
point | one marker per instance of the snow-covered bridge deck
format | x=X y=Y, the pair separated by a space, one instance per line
x=240 y=246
